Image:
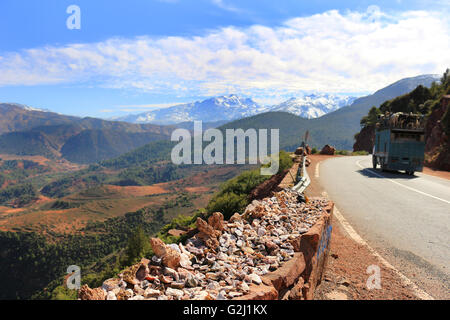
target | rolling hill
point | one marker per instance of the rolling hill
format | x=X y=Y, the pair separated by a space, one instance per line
x=91 y=146
x=28 y=131
x=16 y=117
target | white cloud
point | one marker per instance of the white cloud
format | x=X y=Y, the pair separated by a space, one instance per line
x=221 y=4
x=147 y=107
x=332 y=52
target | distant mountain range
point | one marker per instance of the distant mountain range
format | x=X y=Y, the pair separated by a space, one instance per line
x=27 y=131
x=314 y=105
x=336 y=128
x=211 y=110
x=232 y=107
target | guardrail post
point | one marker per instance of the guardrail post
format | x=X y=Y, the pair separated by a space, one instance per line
x=304 y=178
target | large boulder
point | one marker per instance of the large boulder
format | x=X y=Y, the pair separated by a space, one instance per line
x=136 y=273
x=260 y=292
x=216 y=221
x=111 y=284
x=158 y=246
x=328 y=150
x=170 y=257
x=235 y=217
x=299 y=151
x=255 y=210
x=308 y=150
x=208 y=234
x=87 y=293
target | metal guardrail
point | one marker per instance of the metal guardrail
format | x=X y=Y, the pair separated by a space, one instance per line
x=304 y=181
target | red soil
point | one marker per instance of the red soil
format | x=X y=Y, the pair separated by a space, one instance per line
x=197 y=189
x=138 y=191
x=437 y=173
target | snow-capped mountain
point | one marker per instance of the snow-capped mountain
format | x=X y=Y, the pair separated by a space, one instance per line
x=228 y=107
x=313 y=105
x=25 y=107
x=232 y=107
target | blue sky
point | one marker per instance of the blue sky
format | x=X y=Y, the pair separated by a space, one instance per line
x=133 y=55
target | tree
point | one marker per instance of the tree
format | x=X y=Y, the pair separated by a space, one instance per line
x=445 y=76
x=372 y=118
x=138 y=245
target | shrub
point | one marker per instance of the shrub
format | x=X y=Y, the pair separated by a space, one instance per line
x=228 y=203
x=360 y=153
x=63 y=293
x=20 y=194
x=233 y=194
x=342 y=152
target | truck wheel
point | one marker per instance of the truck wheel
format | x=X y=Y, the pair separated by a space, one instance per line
x=374 y=162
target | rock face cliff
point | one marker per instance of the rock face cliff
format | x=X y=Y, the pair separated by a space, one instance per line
x=365 y=139
x=437 y=149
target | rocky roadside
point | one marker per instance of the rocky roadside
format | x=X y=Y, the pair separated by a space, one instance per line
x=225 y=259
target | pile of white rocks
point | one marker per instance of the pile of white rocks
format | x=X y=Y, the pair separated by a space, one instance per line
x=225 y=257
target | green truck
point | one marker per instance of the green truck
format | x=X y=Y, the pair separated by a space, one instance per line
x=399 y=143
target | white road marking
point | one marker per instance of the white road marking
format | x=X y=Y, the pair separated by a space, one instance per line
x=400 y=184
x=316 y=173
x=358 y=239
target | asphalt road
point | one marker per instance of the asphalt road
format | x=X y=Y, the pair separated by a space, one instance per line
x=406 y=218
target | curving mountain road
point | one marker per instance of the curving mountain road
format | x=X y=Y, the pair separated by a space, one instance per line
x=405 y=218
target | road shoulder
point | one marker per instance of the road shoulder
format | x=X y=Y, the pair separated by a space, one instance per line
x=436 y=173
x=346 y=273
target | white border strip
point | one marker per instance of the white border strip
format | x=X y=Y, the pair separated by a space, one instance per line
x=316 y=174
